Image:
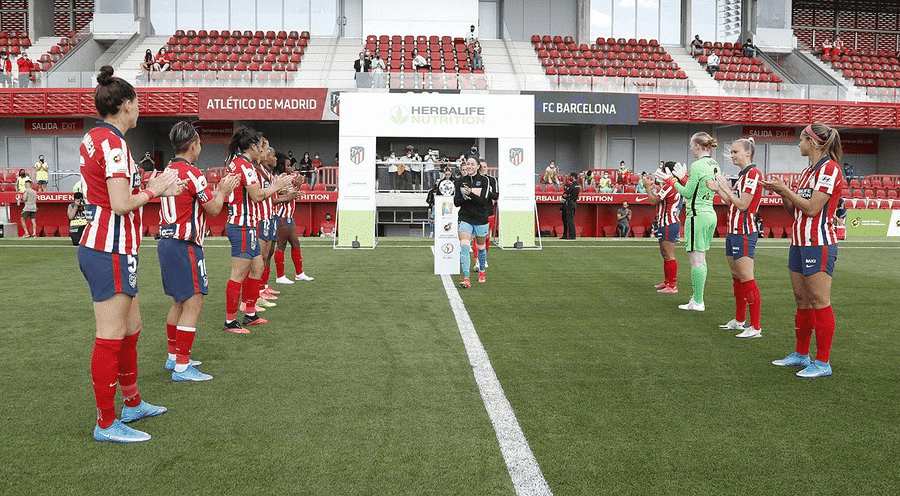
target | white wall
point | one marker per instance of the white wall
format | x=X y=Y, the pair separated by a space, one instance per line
x=392 y=17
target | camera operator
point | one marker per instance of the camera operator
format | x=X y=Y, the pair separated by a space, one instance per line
x=569 y=198
x=77 y=218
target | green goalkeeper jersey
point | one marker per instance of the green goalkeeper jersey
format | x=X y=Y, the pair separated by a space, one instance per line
x=697 y=196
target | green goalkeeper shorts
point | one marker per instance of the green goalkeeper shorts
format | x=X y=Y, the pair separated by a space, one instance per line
x=699 y=230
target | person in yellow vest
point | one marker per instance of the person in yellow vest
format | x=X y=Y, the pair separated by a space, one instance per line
x=20 y=181
x=41 y=173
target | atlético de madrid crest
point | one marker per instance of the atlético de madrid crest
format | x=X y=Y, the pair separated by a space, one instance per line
x=516 y=156
x=335 y=102
x=357 y=154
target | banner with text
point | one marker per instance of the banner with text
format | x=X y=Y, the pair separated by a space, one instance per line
x=446 y=237
x=562 y=107
x=54 y=125
x=263 y=104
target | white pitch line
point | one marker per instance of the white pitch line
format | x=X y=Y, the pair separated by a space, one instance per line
x=527 y=477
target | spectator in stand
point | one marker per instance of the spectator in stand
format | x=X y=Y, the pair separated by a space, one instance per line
x=362 y=65
x=4 y=76
x=20 y=180
x=749 y=50
x=182 y=227
x=77 y=217
x=393 y=179
x=147 y=164
x=712 y=64
x=429 y=169
x=850 y=171
x=148 y=64
x=42 y=173
x=471 y=37
x=475 y=55
x=327 y=228
x=29 y=211
x=623 y=220
x=837 y=47
x=317 y=169
x=666 y=226
x=623 y=175
x=411 y=165
x=550 y=173
x=640 y=188
x=740 y=244
x=605 y=183
x=108 y=253
x=161 y=62
x=814 y=247
x=696 y=46
x=293 y=162
x=306 y=169
x=378 y=68
x=12 y=68
x=472 y=153
x=26 y=67
x=419 y=62
x=587 y=178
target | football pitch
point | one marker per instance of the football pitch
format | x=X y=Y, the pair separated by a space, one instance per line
x=362 y=382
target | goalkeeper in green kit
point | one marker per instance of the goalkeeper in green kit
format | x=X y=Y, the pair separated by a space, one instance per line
x=700 y=218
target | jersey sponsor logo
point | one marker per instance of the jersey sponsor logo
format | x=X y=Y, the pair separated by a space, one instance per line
x=805 y=193
x=136 y=179
x=750 y=183
x=826 y=180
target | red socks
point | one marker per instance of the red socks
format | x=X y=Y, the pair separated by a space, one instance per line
x=105 y=375
x=750 y=292
x=740 y=304
x=185 y=339
x=297 y=257
x=250 y=290
x=805 y=322
x=128 y=371
x=170 y=337
x=264 y=280
x=824 y=332
x=232 y=299
x=279 y=263
x=670 y=270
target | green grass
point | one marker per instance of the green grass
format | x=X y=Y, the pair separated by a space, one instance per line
x=361 y=384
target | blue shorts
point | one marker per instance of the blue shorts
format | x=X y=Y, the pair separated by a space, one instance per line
x=284 y=221
x=741 y=245
x=268 y=230
x=670 y=233
x=243 y=241
x=480 y=230
x=108 y=273
x=809 y=260
x=42 y=182
x=183 y=268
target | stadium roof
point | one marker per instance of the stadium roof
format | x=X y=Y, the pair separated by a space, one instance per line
x=880 y=6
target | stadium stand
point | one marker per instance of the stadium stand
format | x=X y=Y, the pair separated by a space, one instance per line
x=735 y=67
x=577 y=65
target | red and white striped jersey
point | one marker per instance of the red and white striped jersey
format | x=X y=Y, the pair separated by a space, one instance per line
x=241 y=209
x=818 y=230
x=182 y=216
x=266 y=208
x=669 y=206
x=105 y=155
x=747 y=184
x=285 y=210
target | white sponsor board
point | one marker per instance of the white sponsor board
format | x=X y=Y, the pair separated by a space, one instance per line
x=508 y=118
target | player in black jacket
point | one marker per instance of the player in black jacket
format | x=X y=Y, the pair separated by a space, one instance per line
x=473 y=197
x=569 y=197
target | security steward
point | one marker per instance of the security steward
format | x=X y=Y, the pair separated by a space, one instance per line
x=569 y=199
